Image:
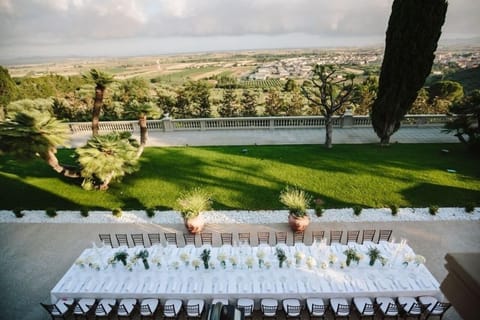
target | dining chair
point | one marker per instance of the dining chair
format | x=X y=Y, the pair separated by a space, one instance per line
x=365 y=307
x=106 y=239
x=137 y=239
x=171 y=238
x=433 y=307
x=125 y=308
x=148 y=308
x=154 y=238
x=292 y=308
x=340 y=308
x=226 y=238
x=190 y=239
x=206 y=238
x=83 y=308
x=244 y=237
x=105 y=308
x=122 y=239
x=410 y=307
x=194 y=309
x=318 y=236
x=172 y=308
x=336 y=236
x=247 y=305
x=388 y=307
x=352 y=235
x=316 y=308
x=384 y=235
x=368 y=235
x=269 y=308
x=280 y=237
x=298 y=237
x=59 y=310
x=263 y=237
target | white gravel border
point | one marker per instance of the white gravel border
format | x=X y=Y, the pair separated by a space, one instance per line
x=245 y=217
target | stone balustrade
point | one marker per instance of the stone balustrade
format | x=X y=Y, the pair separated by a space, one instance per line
x=272 y=123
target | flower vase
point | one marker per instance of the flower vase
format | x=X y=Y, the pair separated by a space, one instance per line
x=205 y=264
x=280 y=264
x=145 y=264
x=372 y=261
x=349 y=260
x=260 y=263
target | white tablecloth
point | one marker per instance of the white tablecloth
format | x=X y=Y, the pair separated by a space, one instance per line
x=170 y=276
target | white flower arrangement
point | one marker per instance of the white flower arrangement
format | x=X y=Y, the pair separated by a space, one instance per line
x=299 y=256
x=212 y=265
x=196 y=263
x=332 y=258
x=249 y=262
x=157 y=261
x=185 y=257
x=175 y=265
x=419 y=259
x=112 y=261
x=383 y=261
x=261 y=254
x=80 y=262
x=222 y=257
x=129 y=266
x=233 y=260
x=289 y=263
x=324 y=265
x=408 y=258
x=343 y=264
x=94 y=266
x=311 y=262
x=268 y=264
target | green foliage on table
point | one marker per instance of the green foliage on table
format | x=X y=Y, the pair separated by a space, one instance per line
x=352 y=255
x=121 y=256
x=205 y=256
x=374 y=254
x=281 y=256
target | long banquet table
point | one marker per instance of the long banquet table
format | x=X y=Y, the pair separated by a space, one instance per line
x=320 y=272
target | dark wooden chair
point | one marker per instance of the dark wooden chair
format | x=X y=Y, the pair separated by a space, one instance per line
x=59 y=310
x=190 y=239
x=171 y=238
x=352 y=235
x=244 y=237
x=138 y=240
x=226 y=238
x=154 y=238
x=336 y=236
x=298 y=237
x=280 y=237
x=206 y=238
x=263 y=237
x=106 y=239
x=384 y=235
x=318 y=236
x=368 y=235
x=122 y=239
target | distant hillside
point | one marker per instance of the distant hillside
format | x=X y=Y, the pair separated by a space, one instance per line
x=469 y=78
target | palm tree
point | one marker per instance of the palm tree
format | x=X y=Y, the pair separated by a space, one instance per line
x=106 y=158
x=27 y=136
x=142 y=111
x=101 y=80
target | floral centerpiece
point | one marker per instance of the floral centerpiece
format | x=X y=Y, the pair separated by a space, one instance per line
x=268 y=265
x=261 y=256
x=280 y=256
x=143 y=255
x=297 y=202
x=332 y=258
x=196 y=263
x=249 y=262
x=157 y=261
x=299 y=256
x=374 y=254
x=352 y=255
x=233 y=260
x=175 y=265
x=205 y=256
x=121 y=256
x=185 y=257
x=222 y=258
x=419 y=260
x=311 y=262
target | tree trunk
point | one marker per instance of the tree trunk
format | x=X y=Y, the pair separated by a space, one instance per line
x=328 y=132
x=106 y=182
x=385 y=141
x=52 y=161
x=142 y=123
x=97 y=106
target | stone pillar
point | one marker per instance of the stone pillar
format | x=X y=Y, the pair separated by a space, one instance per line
x=347 y=119
x=167 y=123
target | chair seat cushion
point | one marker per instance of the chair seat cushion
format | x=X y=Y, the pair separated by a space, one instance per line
x=106 y=303
x=152 y=303
x=62 y=306
x=428 y=300
x=384 y=302
x=335 y=302
x=177 y=304
x=129 y=304
x=406 y=304
x=317 y=302
x=360 y=303
x=85 y=304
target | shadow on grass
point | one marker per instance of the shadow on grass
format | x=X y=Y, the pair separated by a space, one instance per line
x=433 y=194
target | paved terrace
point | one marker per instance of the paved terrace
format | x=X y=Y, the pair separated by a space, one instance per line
x=157 y=138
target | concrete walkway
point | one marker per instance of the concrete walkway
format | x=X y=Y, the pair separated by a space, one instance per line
x=34 y=257
x=283 y=136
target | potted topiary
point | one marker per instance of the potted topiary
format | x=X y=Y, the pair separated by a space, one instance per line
x=191 y=204
x=297 y=202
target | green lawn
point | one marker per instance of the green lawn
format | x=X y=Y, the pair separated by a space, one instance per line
x=347 y=175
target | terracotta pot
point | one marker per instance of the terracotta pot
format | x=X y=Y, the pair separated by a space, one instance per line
x=195 y=225
x=298 y=223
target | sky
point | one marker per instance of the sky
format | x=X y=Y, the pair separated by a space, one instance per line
x=59 y=28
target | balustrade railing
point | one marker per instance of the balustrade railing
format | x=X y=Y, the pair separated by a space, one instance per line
x=271 y=123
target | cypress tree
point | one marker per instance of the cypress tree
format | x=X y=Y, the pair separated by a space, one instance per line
x=413 y=31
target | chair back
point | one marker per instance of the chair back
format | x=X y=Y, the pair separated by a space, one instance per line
x=343 y=309
x=281 y=237
x=122 y=239
x=193 y=310
x=263 y=237
x=352 y=235
x=190 y=239
x=384 y=235
x=368 y=235
x=171 y=238
x=154 y=238
x=318 y=309
x=106 y=239
x=336 y=236
x=298 y=237
x=247 y=310
x=227 y=238
x=416 y=308
x=122 y=310
x=51 y=309
x=391 y=309
x=79 y=310
x=439 y=308
x=269 y=310
x=244 y=237
x=318 y=236
x=145 y=310
x=169 y=310
x=206 y=238
x=293 y=311
x=137 y=239
x=100 y=311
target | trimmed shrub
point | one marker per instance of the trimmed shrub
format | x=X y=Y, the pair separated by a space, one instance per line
x=51 y=212
x=150 y=212
x=84 y=212
x=18 y=212
x=394 y=209
x=357 y=210
x=319 y=207
x=470 y=207
x=117 y=212
x=433 y=209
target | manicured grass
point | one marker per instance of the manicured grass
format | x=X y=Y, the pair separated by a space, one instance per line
x=345 y=176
